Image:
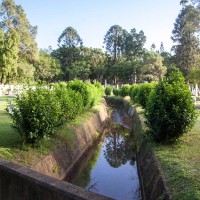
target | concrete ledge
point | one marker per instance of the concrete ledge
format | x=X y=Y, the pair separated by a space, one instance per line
x=21 y=183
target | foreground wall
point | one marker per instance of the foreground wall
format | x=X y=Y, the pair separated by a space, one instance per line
x=152 y=181
x=21 y=183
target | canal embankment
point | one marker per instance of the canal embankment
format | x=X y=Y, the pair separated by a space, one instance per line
x=21 y=181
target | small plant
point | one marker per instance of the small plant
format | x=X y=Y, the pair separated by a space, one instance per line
x=108 y=90
x=170 y=111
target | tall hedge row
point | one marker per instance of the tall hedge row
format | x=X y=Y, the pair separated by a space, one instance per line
x=37 y=112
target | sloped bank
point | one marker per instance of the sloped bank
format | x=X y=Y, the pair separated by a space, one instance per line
x=60 y=162
x=152 y=181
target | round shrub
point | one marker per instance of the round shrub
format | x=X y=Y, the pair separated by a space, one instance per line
x=170 y=111
x=36 y=114
x=125 y=90
x=108 y=90
x=116 y=91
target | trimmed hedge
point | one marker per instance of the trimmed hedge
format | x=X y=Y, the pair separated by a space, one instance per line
x=170 y=111
x=37 y=112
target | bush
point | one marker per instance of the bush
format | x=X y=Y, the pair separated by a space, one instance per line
x=124 y=91
x=144 y=92
x=80 y=87
x=116 y=91
x=108 y=90
x=71 y=102
x=36 y=114
x=170 y=111
x=133 y=92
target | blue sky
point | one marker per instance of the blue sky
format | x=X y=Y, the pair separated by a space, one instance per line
x=93 y=18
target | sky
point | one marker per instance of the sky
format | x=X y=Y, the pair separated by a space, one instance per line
x=93 y=18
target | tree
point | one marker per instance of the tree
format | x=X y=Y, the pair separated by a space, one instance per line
x=47 y=68
x=153 y=47
x=69 y=38
x=8 y=55
x=186 y=38
x=114 y=41
x=133 y=45
x=162 y=49
x=13 y=19
x=153 y=68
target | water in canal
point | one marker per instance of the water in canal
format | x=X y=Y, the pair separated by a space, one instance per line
x=110 y=169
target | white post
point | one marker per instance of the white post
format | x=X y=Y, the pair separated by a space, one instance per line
x=196 y=90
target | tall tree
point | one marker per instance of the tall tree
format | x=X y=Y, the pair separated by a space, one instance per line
x=186 y=38
x=162 y=49
x=13 y=18
x=114 y=41
x=8 y=55
x=133 y=44
x=153 y=47
x=69 y=38
x=153 y=68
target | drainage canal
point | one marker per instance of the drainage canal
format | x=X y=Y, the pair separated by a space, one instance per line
x=110 y=167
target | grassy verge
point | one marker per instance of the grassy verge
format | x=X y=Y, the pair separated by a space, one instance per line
x=12 y=147
x=181 y=165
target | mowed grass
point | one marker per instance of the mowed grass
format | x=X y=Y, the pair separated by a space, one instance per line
x=9 y=138
x=181 y=165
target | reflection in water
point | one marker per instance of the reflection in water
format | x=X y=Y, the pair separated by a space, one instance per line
x=110 y=169
x=117 y=147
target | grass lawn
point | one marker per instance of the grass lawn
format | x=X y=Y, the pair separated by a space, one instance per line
x=181 y=164
x=8 y=135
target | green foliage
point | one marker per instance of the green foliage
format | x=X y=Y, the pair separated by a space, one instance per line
x=153 y=68
x=133 y=92
x=124 y=91
x=69 y=38
x=144 y=92
x=13 y=19
x=170 y=111
x=8 y=55
x=47 y=67
x=186 y=38
x=108 y=90
x=116 y=91
x=37 y=112
x=81 y=87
